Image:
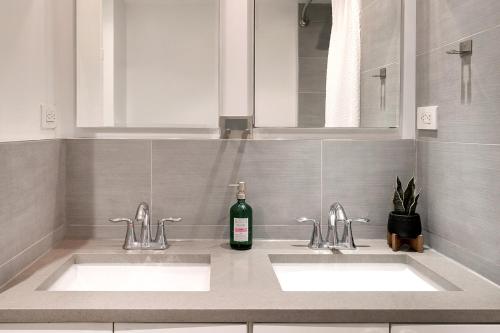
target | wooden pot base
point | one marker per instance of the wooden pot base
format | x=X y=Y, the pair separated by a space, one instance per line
x=395 y=242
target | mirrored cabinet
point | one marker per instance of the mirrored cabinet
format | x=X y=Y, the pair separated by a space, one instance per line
x=327 y=64
x=316 y=63
x=148 y=63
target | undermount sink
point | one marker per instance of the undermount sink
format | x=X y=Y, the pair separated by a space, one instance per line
x=132 y=273
x=355 y=273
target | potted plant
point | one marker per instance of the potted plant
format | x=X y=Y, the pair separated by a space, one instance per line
x=404 y=221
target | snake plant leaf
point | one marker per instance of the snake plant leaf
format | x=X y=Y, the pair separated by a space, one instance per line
x=399 y=187
x=398 y=203
x=409 y=195
x=413 y=207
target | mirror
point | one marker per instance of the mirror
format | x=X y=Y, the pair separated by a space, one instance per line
x=327 y=63
x=140 y=62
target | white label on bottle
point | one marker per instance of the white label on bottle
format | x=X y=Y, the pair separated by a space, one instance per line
x=241 y=230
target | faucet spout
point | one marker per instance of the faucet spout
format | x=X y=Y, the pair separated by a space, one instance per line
x=336 y=216
x=142 y=216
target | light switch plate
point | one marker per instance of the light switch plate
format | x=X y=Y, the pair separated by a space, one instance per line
x=48 y=116
x=427 y=118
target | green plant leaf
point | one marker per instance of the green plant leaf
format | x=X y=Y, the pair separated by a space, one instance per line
x=399 y=187
x=398 y=203
x=409 y=195
x=413 y=207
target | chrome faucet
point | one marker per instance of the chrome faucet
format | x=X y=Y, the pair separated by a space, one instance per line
x=336 y=216
x=146 y=242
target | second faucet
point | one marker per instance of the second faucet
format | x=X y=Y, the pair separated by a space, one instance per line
x=336 y=216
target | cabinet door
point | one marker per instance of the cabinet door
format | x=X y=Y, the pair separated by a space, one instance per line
x=445 y=328
x=321 y=328
x=180 y=328
x=57 y=328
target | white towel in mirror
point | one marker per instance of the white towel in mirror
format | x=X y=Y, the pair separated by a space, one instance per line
x=344 y=63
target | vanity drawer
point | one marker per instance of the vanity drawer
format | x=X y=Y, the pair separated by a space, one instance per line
x=321 y=328
x=180 y=328
x=445 y=328
x=57 y=328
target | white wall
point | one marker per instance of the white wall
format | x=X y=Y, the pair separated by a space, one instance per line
x=120 y=63
x=236 y=57
x=37 y=66
x=276 y=63
x=172 y=63
x=93 y=83
x=26 y=68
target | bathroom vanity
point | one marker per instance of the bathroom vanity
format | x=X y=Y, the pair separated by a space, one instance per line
x=248 y=289
x=114 y=102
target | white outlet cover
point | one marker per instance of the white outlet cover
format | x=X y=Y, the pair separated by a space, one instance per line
x=427 y=118
x=48 y=116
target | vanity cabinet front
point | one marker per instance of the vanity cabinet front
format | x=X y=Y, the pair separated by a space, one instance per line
x=445 y=328
x=180 y=328
x=321 y=328
x=57 y=328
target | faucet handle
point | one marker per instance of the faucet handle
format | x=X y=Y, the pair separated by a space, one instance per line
x=316 y=241
x=161 y=242
x=121 y=219
x=130 y=239
x=360 y=220
x=170 y=219
x=305 y=220
x=347 y=241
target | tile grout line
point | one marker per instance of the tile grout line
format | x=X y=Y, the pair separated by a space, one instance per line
x=368 y=7
x=380 y=67
x=151 y=175
x=467 y=251
x=432 y=50
x=459 y=143
x=415 y=167
x=31 y=262
x=53 y=232
x=321 y=183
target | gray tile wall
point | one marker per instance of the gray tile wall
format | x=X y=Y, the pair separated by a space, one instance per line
x=189 y=178
x=380 y=98
x=459 y=165
x=105 y=178
x=32 y=183
x=361 y=175
x=380 y=48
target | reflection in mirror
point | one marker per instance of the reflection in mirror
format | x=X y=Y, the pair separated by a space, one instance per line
x=140 y=62
x=327 y=63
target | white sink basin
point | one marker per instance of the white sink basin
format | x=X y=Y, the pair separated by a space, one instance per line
x=132 y=276
x=352 y=276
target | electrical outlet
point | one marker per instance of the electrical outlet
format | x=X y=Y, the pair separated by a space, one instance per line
x=427 y=118
x=48 y=116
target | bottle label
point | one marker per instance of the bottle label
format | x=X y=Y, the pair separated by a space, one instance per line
x=241 y=230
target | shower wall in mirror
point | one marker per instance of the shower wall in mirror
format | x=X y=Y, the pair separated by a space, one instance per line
x=327 y=63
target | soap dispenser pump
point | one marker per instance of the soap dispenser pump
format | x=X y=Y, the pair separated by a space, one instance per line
x=240 y=216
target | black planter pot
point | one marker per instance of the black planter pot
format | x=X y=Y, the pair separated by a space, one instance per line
x=404 y=226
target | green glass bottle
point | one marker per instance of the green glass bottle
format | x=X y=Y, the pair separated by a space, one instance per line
x=240 y=216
